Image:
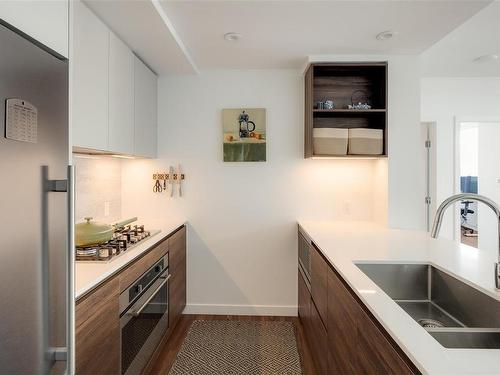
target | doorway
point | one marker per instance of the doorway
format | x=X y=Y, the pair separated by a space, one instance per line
x=478 y=170
x=468 y=166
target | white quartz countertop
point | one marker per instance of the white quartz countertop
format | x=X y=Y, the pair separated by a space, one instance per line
x=344 y=243
x=90 y=274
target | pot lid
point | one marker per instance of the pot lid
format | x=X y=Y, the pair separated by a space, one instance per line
x=92 y=227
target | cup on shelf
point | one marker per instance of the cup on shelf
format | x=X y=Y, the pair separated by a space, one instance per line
x=329 y=104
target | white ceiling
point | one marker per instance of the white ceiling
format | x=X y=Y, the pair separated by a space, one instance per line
x=281 y=34
x=454 y=55
x=147 y=32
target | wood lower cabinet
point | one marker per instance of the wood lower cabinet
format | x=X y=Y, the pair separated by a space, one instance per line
x=342 y=328
x=347 y=339
x=98 y=331
x=177 y=268
x=98 y=336
x=318 y=340
x=319 y=275
x=304 y=301
x=356 y=344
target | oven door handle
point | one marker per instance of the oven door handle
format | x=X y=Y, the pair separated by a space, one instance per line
x=139 y=310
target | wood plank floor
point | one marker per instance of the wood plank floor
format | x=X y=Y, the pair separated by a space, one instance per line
x=169 y=351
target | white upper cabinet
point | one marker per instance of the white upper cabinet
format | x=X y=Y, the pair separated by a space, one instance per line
x=113 y=93
x=44 y=21
x=146 y=118
x=89 y=81
x=121 y=97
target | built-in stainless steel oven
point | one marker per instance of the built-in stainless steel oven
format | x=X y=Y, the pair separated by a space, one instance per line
x=143 y=316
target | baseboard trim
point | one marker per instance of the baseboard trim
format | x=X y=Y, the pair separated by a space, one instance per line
x=267 y=310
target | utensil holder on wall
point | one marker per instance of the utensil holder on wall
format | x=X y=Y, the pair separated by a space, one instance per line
x=166 y=181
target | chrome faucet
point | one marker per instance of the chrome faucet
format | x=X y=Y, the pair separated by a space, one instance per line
x=473 y=197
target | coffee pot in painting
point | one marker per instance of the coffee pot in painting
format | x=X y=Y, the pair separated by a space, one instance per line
x=245 y=125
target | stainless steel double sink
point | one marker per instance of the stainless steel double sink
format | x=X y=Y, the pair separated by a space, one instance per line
x=454 y=313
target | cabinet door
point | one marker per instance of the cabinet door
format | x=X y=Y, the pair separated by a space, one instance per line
x=342 y=327
x=319 y=275
x=318 y=341
x=89 y=84
x=177 y=268
x=44 y=21
x=98 y=331
x=304 y=301
x=145 y=116
x=377 y=355
x=121 y=97
x=355 y=343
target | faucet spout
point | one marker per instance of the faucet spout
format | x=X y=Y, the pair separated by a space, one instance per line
x=436 y=227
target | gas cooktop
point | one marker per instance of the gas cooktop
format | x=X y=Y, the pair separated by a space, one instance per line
x=123 y=240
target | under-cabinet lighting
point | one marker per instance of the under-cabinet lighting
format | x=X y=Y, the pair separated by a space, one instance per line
x=85 y=156
x=122 y=156
x=98 y=155
x=347 y=157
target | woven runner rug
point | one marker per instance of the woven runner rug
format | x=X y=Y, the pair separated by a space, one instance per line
x=238 y=347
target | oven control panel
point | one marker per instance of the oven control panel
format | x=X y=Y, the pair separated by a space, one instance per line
x=136 y=289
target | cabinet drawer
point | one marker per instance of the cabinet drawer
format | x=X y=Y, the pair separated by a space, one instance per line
x=342 y=327
x=304 y=255
x=304 y=300
x=136 y=269
x=318 y=341
x=319 y=275
x=98 y=332
x=177 y=268
x=88 y=305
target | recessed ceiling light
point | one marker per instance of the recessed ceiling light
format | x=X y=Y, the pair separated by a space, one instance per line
x=385 y=35
x=486 y=58
x=232 y=37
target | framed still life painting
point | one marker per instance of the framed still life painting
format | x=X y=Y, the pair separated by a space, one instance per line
x=244 y=134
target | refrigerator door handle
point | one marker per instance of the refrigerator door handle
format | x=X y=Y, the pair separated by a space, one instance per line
x=70 y=282
x=67 y=353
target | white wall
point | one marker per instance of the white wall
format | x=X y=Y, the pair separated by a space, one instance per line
x=445 y=100
x=488 y=175
x=406 y=190
x=242 y=254
x=406 y=168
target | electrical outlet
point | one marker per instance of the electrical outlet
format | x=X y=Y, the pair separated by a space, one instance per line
x=347 y=208
x=106 y=208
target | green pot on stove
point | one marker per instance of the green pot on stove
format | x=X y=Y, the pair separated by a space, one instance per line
x=89 y=232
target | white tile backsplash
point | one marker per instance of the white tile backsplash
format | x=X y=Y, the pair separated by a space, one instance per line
x=98 y=180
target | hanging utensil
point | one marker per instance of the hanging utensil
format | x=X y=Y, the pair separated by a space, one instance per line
x=157 y=188
x=179 y=179
x=171 y=178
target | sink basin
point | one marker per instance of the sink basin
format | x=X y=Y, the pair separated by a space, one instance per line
x=454 y=313
x=488 y=339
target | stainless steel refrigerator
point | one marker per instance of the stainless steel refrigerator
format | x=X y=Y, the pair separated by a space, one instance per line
x=36 y=209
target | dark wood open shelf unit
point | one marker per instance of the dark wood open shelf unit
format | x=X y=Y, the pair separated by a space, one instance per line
x=338 y=82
